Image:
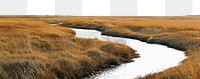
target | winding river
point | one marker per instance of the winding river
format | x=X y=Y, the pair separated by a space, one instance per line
x=153 y=57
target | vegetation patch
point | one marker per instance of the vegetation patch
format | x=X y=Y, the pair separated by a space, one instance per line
x=181 y=33
x=33 y=49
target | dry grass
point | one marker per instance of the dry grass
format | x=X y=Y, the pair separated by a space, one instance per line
x=32 y=49
x=182 y=33
x=162 y=30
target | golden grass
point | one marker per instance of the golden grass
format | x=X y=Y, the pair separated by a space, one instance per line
x=32 y=49
x=182 y=33
x=178 y=32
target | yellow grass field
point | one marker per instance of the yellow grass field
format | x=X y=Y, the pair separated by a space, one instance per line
x=182 y=33
x=28 y=42
x=33 y=49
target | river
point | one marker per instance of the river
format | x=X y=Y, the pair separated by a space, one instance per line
x=153 y=57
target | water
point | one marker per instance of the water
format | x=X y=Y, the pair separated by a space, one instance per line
x=153 y=57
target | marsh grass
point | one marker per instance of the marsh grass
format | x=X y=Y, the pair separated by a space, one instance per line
x=182 y=33
x=32 y=49
x=178 y=32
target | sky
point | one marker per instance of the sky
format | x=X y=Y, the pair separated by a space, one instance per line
x=10 y=7
x=151 y=8
x=102 y=7
x=41 y=7
x=196 y=7
x=96 y=7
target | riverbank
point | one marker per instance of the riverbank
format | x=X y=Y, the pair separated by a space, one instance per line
x=32 y=49
x=150 y=56
x=181 y=33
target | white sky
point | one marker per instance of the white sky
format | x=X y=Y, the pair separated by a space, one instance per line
x=102 y=7
x=196 y=7
x=151 y=7
x=41 y=7
x=96 y=7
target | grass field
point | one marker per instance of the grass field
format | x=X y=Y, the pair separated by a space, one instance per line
x=33 y=49
x=182 y=33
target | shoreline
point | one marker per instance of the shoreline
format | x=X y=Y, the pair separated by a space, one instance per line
x=137 y=37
